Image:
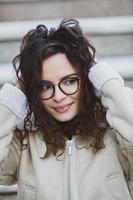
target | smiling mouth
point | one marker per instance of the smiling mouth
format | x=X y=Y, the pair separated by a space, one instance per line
x=62 y=109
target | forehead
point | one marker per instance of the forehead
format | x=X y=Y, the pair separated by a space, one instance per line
x=56 y=67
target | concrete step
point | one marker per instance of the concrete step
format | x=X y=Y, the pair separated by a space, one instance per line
x=112 y=36
x=40 y=9
x=8 y=192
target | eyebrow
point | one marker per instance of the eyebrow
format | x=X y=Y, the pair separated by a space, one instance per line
x=64 y=77
x=67 y=76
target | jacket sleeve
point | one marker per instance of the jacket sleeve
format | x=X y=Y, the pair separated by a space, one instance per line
x=12 y=109
x=118 y=101
x=117 y=98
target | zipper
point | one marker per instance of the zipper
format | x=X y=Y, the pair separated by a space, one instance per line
x=69 y=147
x=69 y=153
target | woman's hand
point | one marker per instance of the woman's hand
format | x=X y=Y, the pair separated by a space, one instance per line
x=101 y=73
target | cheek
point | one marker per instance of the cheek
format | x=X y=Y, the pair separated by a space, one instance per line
x=77 y=100
x=76 y=96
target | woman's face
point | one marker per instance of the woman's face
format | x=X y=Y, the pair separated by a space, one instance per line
x=57 y=69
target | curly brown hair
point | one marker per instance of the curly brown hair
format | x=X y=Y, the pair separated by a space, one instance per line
x=39 y=44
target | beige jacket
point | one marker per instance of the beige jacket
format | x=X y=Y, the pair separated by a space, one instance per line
x=80 y=174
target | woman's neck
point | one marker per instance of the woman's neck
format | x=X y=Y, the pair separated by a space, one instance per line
x=68 y=128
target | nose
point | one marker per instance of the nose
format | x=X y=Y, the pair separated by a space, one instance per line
x=58 y=95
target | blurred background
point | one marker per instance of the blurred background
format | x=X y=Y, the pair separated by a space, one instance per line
x=108 y=24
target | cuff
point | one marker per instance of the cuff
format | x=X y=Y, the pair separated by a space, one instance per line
x=101 y=73
x=14 y=99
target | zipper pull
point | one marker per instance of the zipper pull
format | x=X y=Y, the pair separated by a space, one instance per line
x=69 y=147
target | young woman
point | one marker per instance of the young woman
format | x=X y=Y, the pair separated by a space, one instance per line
x=70 y=146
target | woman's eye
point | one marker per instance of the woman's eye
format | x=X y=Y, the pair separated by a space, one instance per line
x=69 y=81
x=46 y=87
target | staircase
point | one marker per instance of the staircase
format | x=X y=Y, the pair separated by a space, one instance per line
x=107 y=23
x=112 y=37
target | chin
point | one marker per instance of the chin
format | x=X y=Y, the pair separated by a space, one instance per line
x=64 y=118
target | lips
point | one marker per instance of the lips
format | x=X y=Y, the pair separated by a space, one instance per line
x=62 y=108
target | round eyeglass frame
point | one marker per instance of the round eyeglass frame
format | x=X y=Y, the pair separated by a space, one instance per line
x=59 y=86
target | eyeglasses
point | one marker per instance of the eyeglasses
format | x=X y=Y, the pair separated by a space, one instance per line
x=68 y=85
